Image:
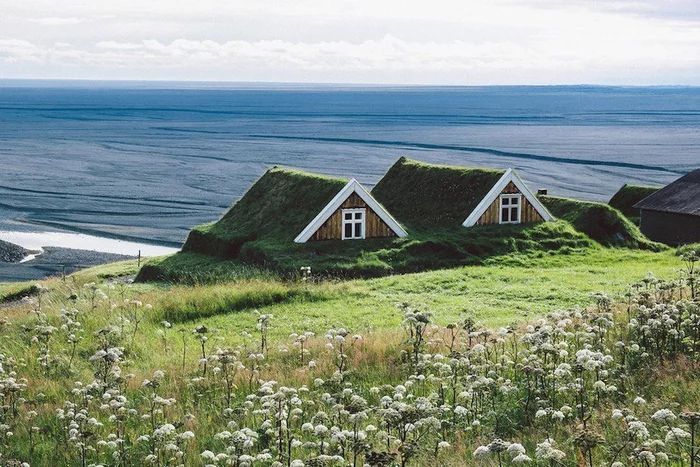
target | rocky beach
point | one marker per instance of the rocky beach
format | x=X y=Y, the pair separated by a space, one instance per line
x=11 y=253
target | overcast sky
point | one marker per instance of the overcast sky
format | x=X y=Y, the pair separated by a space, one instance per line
x=466 y=42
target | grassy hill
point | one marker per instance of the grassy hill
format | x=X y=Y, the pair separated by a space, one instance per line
x=185 y=373
x=628 y=196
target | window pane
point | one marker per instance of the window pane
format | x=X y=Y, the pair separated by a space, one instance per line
x=513 y=214
x=515 y=201
x=348 y=230
x=358 y=230
x=505 y=201
x=358 y=215
x=348 y=215
x=504 y=215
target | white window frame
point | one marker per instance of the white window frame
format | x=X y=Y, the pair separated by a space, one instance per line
x=353 y=221
x=510 y=197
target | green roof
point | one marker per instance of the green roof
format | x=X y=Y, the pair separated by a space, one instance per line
x=425 y=197
x=277 y=207
x=629 y=195
x=601 y=222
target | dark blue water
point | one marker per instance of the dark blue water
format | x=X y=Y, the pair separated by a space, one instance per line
x=148 y=162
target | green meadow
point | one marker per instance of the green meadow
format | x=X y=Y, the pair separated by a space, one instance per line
x=97 y=370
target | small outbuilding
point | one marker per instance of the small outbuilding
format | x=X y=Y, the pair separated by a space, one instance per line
x=426 y=197
x=672 y=214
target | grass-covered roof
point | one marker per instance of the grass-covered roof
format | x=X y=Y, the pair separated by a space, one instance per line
x=276 y=208
x=629 y=195
x=425 y=197
x=601 y=222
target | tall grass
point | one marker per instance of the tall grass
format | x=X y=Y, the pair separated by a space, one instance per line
x=182 y=304
x=141 y=391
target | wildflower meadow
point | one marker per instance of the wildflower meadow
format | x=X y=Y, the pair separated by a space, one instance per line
x=613 y=382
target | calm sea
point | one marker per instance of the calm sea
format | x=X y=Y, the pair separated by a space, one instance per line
x=148 y=161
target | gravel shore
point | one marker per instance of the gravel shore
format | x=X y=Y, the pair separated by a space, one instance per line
x=54 y=261
x=11 y=253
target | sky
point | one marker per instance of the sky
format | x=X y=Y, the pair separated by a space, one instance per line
x=443 y=42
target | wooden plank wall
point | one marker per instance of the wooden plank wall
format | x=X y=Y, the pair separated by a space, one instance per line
x=375 y=227
x=528 y=213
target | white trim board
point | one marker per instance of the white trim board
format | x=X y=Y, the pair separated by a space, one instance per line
x=492 y=195
x=353 y=186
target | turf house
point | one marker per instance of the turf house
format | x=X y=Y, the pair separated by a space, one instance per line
x=289 y=206
x=672 y=214
x=428 y=197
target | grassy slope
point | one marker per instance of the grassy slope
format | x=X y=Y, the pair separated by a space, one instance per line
x=501 y=291
x=628 y=196
x=505 y=290
x=505 y=286
x=497 y=293
x=602 y=223
x=374 y=257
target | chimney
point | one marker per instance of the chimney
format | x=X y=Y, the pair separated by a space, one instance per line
x=541 y=191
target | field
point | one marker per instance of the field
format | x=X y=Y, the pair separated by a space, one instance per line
x=358 y=372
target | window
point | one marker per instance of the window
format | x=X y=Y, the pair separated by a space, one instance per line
x=510 y=209
x=353 y=224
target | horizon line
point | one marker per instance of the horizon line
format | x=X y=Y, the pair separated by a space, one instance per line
x=69 y=82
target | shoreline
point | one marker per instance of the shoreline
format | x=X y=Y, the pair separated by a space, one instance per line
x=53 y=253
x=37 y=241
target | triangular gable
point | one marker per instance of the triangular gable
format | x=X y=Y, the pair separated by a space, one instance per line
x=492 y=195
x=353 y=186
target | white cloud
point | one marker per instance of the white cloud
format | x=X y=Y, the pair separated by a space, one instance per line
x=118 y=45
x=56 y=21
x=441 y=41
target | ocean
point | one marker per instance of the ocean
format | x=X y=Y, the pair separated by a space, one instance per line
x=147 y=161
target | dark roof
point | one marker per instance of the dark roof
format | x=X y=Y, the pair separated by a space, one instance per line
x=425 y=197
x=681 y=196
x=278 y=206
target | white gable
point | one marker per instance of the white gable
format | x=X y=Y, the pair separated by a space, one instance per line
x=353 y=186
x=509 y=176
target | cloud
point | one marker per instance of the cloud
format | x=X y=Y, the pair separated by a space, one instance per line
x=67 y=20
x=118 y=45
x=388 y=55
x=18 y=50
x=56 y=21
x=441 y=41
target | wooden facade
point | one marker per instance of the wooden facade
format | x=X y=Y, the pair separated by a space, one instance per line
x=332 y=229
x=528 y=213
